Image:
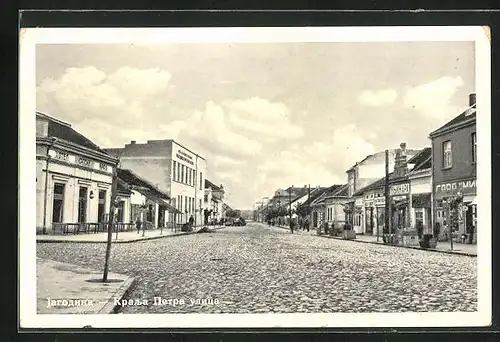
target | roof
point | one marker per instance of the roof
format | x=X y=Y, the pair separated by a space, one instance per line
x=333 y=191
x=209 y=184
x=468 y=115
x=373 y=186
x=422 y=160
x=132 y=179
x=152 y=195
x=421 y=156
x=122 y=187
x=315 y=193
x=63 y=130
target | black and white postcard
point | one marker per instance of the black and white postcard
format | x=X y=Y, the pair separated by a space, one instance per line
x=255 y=177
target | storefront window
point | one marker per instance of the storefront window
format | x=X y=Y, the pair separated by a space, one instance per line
x=474 y=145
x=174 y=176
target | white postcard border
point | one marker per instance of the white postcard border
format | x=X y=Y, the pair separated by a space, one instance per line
x=27 y=162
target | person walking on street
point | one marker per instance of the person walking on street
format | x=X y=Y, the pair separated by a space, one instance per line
x=138 y=224
x=307 y=225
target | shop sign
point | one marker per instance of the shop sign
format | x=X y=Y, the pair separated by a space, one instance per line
x=369 y=204
x=62 y=156
x=379 y=201
x=399 y=198
x=84 y=162
x=399 y=189
x=103 y=167
x=184 y=157
x=466 y=186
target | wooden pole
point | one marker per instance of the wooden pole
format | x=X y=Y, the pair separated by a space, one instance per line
x=387 y=203
x=111 y=218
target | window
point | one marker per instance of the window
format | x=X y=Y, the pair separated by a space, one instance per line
x=179 y=202
x=419 y=216
x=474 y=147
x=82 y=204
x=201 y=180
x=58 y=203
x=182 y=174
x=101 y=206
x=190 y=176
x=174 y=176
x=178 y=172
x=447 y=162
x=120 y=211
x=200 y=203
x=185 y=203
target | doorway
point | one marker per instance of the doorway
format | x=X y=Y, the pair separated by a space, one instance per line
x=82 y=204
x=58 y=203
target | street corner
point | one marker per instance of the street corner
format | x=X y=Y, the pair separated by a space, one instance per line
x=64 y=288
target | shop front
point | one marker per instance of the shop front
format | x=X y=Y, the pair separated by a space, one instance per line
x=455 y=209
x=358 y=216
x=399 y=195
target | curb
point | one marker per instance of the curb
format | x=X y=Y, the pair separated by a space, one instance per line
x=410 y=247
x=122 y=241
x=115 y=241
x=122 y=291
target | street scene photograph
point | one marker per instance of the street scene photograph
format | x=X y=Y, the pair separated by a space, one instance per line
x=258 y=177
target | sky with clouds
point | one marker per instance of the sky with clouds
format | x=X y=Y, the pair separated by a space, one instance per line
x=265 y=116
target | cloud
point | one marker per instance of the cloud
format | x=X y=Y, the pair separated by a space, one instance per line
x=378 y=98
x=121 y=98
x=433 y=100
x=259 y=116
x=209 y=128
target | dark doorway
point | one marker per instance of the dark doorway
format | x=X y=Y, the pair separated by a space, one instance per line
x=102 y=206
x=82 y=204
x=58 y=203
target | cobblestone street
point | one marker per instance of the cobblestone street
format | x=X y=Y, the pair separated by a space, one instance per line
x=259 y=269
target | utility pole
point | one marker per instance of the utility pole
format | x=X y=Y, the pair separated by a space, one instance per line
x=111 y=219
x=387 y=211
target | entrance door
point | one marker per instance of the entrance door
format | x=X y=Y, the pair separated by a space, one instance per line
x=102 y=206
x=315 y=219
x=369 y=221
x=58 y=203
x=161 y=214
x=82 y=204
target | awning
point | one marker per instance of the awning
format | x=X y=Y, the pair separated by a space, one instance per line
x=160 y=201
x=470 y=199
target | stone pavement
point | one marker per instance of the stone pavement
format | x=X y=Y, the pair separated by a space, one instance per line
x=123 y=237
x=442 y=246
x=70 y=289
x=258 y=269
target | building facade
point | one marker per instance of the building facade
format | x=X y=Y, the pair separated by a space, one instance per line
x=420 y=179
x=454 y=157
x=328 y=207
x=173 y=169
x=73 y=176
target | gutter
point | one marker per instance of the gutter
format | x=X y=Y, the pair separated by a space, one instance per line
x=44 y=231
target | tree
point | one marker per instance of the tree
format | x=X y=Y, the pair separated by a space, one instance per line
x=233 y=213
x=303 y=210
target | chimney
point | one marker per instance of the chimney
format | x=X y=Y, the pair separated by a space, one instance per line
x=132 y=142
x=472 y=99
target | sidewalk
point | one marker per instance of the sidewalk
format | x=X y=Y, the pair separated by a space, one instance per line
x=123 y=237
x=442 y=247
x=69 y=289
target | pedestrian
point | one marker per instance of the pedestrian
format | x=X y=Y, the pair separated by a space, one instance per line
x=291 y=226
x=191 y=220
x=138 y=224
x=307 y=225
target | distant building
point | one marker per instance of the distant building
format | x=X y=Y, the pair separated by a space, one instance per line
x=173 y=169
x=213 y=199
x=328 y=207
x=73 y=178
x=454 y=170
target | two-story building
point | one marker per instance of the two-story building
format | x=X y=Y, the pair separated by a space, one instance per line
x=362 y=174
x=173 y=169
x=454 y=157
x=73 y=177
